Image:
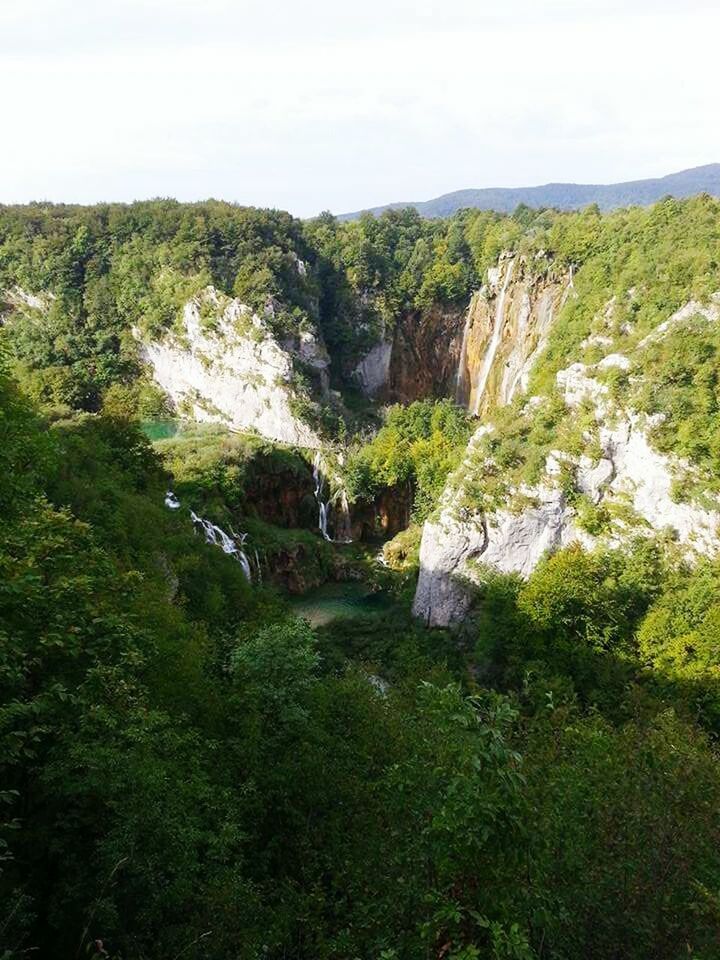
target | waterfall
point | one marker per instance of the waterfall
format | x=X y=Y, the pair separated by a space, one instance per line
x=232 y=546
x=319 y=481
x=338 y=503
x=489 y=357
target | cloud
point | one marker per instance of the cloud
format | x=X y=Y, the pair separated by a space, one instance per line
x=322 y=104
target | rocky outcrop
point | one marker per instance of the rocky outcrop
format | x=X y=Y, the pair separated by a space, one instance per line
x=16 y=298
x=631 y=469
x=629 y=478
x=373 y=370
x=223 y=365
x=18 y=303
x=456 y=546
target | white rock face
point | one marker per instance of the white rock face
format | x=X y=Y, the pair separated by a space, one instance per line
x=232 y=371
x=577 y=386
x=629 y=472
x=592 y=479
x=515 y=543
x=614 y=360
x=710 y=313
x=646 y=477
x=441 y=598
x=372 y=371
x=452 y=549
x=18 y=298
x=533 y=327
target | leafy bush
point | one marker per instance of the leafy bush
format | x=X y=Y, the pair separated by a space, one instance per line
x=418 y=446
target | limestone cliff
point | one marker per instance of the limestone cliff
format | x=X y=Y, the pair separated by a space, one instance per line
x=480 y=355
x=616 y=477
x=507 y=325
x=417 y=359
x=425 y=355
x=224 y=365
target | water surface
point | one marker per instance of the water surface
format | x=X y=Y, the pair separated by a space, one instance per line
x=334 y=600
x=160 y=429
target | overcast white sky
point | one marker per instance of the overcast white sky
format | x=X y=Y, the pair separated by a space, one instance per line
x=325 y=104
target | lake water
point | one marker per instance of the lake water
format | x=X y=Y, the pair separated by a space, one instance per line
x=161 y=429
x=334 y=600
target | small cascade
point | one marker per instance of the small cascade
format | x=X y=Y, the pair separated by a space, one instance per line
x=491 y=351
x=319 y=481
x=233 y=545
x=338 y=504
x=241 y=555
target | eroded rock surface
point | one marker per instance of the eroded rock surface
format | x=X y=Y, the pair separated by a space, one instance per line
x=628 y=476
x=225 y=366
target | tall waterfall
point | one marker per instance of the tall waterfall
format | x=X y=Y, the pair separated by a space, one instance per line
x=233 y=546
x=338 y=504
x=491 y=351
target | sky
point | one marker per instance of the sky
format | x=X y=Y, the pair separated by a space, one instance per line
x=323 y=104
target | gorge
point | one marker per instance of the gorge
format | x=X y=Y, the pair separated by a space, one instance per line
x=507 y=326
x=358 y=583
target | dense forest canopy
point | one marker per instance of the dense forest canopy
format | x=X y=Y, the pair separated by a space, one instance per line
x=106 y=269
x=189 y=770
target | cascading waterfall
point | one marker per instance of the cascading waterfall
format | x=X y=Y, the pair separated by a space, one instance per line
x=233 y=545
x=491 y=351
x=319 y=481
x=338 y=503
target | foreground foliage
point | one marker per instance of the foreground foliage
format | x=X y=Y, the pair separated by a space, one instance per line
x=186 y=771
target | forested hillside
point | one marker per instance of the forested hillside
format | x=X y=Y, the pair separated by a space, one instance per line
x=187 y=768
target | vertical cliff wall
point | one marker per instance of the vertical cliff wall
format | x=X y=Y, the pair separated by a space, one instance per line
x=506 y=327
x=425 y=355
x=602 y=480
x=480 y=355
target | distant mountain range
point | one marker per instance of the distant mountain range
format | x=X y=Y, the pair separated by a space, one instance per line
x=567 y=196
